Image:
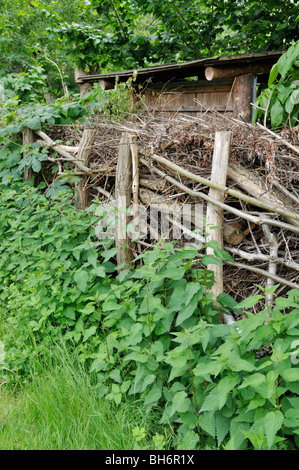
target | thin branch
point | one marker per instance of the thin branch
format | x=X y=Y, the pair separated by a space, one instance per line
x=255 y=220
x=232 y=192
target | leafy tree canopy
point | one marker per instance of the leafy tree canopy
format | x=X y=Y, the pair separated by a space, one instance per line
x=113 y=34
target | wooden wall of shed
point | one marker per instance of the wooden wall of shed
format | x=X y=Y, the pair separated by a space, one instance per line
x=190 y=98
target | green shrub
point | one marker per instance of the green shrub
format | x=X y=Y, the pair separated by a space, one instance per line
x=278 y=103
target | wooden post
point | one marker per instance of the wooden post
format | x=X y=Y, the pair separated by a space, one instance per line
x=105 y=85
x=242 y=97
x=84 y=88
x=84 y=154
x=123 y=191
x=27 y=139
x=135 y=185
x=214 y=216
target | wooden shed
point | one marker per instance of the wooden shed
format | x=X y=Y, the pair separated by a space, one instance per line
x=224 y=83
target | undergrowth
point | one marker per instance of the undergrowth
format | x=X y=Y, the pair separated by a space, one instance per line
x=150 y=333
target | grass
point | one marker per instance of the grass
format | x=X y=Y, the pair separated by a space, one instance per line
x=59 y=409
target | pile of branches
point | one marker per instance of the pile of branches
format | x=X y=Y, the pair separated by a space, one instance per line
x=175 y=159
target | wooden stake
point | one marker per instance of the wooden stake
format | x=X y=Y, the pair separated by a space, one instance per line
x=123 y=191
x=135 y=186
x=214 y=217
x=28 y=138
x=273 y=247
x=242 y=97
x=84 y=154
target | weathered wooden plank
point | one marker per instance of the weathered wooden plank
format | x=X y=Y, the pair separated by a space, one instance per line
x=123 y=191
x=214 y=216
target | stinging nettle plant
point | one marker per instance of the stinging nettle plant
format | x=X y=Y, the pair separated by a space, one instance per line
x=150 y=332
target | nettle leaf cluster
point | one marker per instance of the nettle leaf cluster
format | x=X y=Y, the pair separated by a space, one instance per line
x=150 y=332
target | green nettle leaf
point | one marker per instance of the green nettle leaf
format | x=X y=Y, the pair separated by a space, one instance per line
x=276 y=113
x=273 y=74
x=224 y=387
x=290 y=375
x=237 y=364
x=272 y=423
x=289 y=104
x=210 y=368
x=191 y=289
x=99 y=271
x=33 y=123
x=180 y=403
x=210 y=259
x=222 y=427
x=154 y=395
x=256 y=402
x=186 y=312
x=253 y=380
x=250 y=301
x=190 y=441
x=292 y=418
x=81 y=279
x=206 y=421
x=90 y=332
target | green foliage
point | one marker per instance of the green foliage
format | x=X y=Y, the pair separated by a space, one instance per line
x=150 y=333
x=113 y=34
x=279 y=103
x=61 y=408
x=98 y=104
x=26 y=86
x=180 y=30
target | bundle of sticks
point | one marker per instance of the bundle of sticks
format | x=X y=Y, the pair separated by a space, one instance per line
x=244 y=176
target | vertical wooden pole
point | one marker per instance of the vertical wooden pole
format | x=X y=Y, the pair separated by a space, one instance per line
x=84 y=88
x=135 y=185
x=242 y=97
x=27 y=139
x=123 y=191
x=84 y=154
x=214 y=216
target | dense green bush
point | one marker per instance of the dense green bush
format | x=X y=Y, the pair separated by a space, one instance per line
x=278 y=104
x=151 y=331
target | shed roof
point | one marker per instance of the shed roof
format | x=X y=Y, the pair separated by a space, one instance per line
x=179 y=70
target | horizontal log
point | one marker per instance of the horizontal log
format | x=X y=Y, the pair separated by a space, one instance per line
x=217 y=73
x=105 y=85
x=67 y=148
